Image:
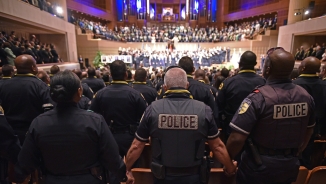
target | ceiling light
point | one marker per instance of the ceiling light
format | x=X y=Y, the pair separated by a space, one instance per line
x=59 y=10
x=306 y=12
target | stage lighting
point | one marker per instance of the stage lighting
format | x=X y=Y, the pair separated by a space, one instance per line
x=297 y=13
x=306 y=12
x=59 y=10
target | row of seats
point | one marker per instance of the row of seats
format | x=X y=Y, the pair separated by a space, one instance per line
x=315 y=176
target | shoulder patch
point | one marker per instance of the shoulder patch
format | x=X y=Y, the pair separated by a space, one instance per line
x=221 y=86
x=244 y=106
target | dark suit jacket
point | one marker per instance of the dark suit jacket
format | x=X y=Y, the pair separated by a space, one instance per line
x=55 y=55
x=30 y=52
x=319 y=54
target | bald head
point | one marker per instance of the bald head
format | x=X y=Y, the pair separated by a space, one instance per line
x=175 y=77
x=279 y=64
x=200 y=74
x=309 y=65
x=25 y=64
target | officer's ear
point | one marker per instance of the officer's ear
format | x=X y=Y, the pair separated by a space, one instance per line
x=165 y=87
x=187 y=86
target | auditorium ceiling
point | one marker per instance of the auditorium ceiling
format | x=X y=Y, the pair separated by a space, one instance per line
x=10 y=24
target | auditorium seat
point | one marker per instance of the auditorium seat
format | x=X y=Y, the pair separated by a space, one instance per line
x=302 y=176
x=143 y=175
x=317 y=175
x=318 y=156
x=217 y=176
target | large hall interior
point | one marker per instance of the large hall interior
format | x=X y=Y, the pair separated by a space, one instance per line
x=87 y=36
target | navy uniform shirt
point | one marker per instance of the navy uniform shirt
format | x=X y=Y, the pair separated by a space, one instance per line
x=84 y=103
x=9 y=144
x=233 y=90
x=120 y=105
x=144 y=130
x=22 y=98
x=149 y=93
x=317 y=89
x=87 y=91
x=69 y=140
x=94 y=83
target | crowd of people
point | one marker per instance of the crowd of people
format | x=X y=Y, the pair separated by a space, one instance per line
x=315 y=50
x=121 y=110
x=179 y=33
x=12 y=46
x=45 y=5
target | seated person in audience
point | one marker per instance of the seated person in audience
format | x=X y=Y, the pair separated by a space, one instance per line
x=44 y=77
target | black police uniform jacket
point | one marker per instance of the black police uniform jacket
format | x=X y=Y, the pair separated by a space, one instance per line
x=94 y=83
x=149 y=93
x=68 y=141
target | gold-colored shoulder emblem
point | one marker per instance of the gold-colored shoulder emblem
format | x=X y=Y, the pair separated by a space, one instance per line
x=244 y=106
x=221 y=86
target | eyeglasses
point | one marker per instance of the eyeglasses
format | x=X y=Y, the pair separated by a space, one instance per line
x=271 y=50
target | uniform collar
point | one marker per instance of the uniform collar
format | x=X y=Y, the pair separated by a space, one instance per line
x=25 y=75
x=308 y=75
x=247 y=71
x=119 y=82
x=202 y=81
x=143 y=83
x=190 y=76
x=278 y=81
x=6 y=77
x=177 y=92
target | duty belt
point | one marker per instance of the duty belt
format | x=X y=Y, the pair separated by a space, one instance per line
x=181 y=170
x=274 y=152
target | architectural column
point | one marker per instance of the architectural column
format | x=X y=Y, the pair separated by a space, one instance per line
x=296 y=6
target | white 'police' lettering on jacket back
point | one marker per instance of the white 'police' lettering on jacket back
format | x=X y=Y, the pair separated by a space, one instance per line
x=290 y=110
x=173 y=121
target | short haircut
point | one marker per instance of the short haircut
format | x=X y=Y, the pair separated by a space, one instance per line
x=7 y=70
x=186 y=64
x=118 y=70
x=78 y=72
x=91 y=72
x=140 y=75
x=54 y=69
x=129 y=77
x=63 y=86
x=175 y=77
x=248 y=59
x=43 y=76
x=225 y=72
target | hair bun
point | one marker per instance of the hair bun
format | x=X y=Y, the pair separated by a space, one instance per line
x=59 y=93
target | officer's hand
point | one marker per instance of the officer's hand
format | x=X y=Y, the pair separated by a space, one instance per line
x=131 y=179
x=231 y=172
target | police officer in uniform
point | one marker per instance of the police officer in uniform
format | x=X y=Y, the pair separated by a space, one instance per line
x=233 y=90
x=309 y=80
x=23 y=96
x=277 y=121
x=178 y=127
x=122 y=107
x=198 y=90
x=94 y=83
x=200 y=76
x=69 y=144
x=7 y=72
x=139 y=84
x=9 y=147
x=54 y=70
x=87 y=91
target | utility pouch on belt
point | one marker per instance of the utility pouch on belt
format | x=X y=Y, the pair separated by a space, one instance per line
x=254 y=152
x=133 y=129
x=205 y=169
x=158 y=170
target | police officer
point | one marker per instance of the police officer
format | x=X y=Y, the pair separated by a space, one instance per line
x=310 y=81
x=9 y=147
x=178 y=127
x=233 y=90
x=7 y=72
x=87 y=91
x=56 y=137
x=23 y=96
x=122 y=107
x=54 y=70
x=198 y=90
x=94 y=83
x=129 y=78
x=149 y=93
x=277 y=120
x=200 y=76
